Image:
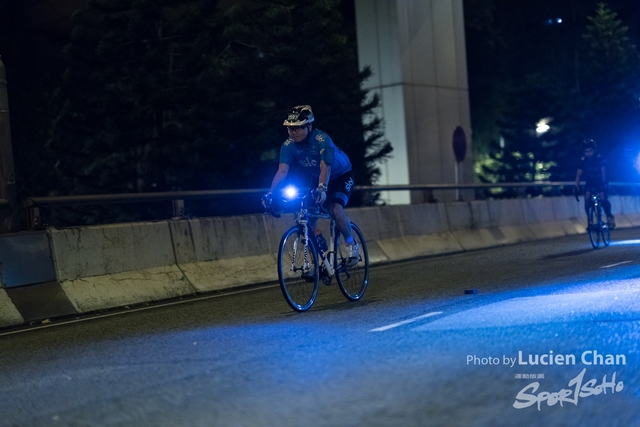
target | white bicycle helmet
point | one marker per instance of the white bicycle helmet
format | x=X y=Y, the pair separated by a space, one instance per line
x=299 y=115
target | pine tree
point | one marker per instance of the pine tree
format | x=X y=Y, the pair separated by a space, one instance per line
x=284 y=53
x=136 y=90
x=136 y=101
x=610 y=89
x=609 y=57
x=165 y=95
x=528 y=155
x=599 y=101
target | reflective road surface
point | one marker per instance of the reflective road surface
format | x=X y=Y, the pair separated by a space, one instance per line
x=549 y=339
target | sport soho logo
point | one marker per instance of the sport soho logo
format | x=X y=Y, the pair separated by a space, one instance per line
x=577 y=387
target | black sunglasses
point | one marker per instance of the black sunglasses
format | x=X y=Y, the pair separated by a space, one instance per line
x=296 y=128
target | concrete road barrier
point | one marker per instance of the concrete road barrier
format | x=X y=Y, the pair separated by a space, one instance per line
x=102 y=267
x=9 y=314
x=218 y=253
x=116 y=265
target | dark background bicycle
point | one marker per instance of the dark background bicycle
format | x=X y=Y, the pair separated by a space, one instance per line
x=598 y=229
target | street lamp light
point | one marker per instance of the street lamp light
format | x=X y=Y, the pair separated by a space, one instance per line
x=543 y=126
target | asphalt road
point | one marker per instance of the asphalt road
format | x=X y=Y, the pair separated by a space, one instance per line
x=550 y=338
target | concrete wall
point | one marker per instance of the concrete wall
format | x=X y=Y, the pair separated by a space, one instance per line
x=62 y=272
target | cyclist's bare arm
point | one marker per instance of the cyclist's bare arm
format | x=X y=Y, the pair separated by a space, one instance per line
x=281 y=174
x=325 y=173
x=578 y=175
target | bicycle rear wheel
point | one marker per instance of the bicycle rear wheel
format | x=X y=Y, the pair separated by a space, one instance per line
x=298 y=270
x=352 y=280
x=593 y=227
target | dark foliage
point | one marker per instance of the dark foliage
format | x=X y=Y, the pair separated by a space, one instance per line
x=179 y=95
x=286 y=53
x=33 y=66
x=574 y=63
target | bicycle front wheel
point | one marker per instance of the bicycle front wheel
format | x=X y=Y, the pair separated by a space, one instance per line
x=298 y=270
x=593 y=227
x=352 y=279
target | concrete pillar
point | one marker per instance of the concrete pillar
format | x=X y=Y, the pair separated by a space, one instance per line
x=416 y=49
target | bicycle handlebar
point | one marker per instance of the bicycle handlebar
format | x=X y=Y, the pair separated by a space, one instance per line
x=308 y=197
x=304 y=200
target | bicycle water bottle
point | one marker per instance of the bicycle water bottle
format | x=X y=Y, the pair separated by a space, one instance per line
x=322 y=242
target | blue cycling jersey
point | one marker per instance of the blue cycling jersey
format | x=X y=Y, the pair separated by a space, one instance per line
x=308 y=154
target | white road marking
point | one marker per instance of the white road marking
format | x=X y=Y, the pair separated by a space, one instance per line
x=404 y=322
x=613 y=265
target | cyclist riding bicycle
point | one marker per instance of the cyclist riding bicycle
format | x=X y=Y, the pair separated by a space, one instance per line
x=320 y=159
x=593 y=171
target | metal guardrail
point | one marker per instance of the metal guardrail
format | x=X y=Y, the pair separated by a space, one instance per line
x=33 y=204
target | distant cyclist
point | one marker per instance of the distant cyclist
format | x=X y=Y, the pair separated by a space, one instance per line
x=315 y=153
x=593 y=171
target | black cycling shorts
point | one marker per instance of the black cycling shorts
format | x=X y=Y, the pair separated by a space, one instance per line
x=594 y=187
x=340 y=188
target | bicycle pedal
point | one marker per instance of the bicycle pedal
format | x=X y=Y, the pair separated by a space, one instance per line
x=326 y=279
x=352 y=262
x=308 y=276
x=345 y=275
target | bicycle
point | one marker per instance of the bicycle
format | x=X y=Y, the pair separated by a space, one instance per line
x=596 y=228
x=303 y=261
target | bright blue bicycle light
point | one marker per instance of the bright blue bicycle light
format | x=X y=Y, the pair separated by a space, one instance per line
x=290 y=192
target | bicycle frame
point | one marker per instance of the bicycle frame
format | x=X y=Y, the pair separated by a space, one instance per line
x=302 y=219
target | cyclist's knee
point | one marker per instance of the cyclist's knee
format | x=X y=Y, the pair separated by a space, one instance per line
x=334 y=209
